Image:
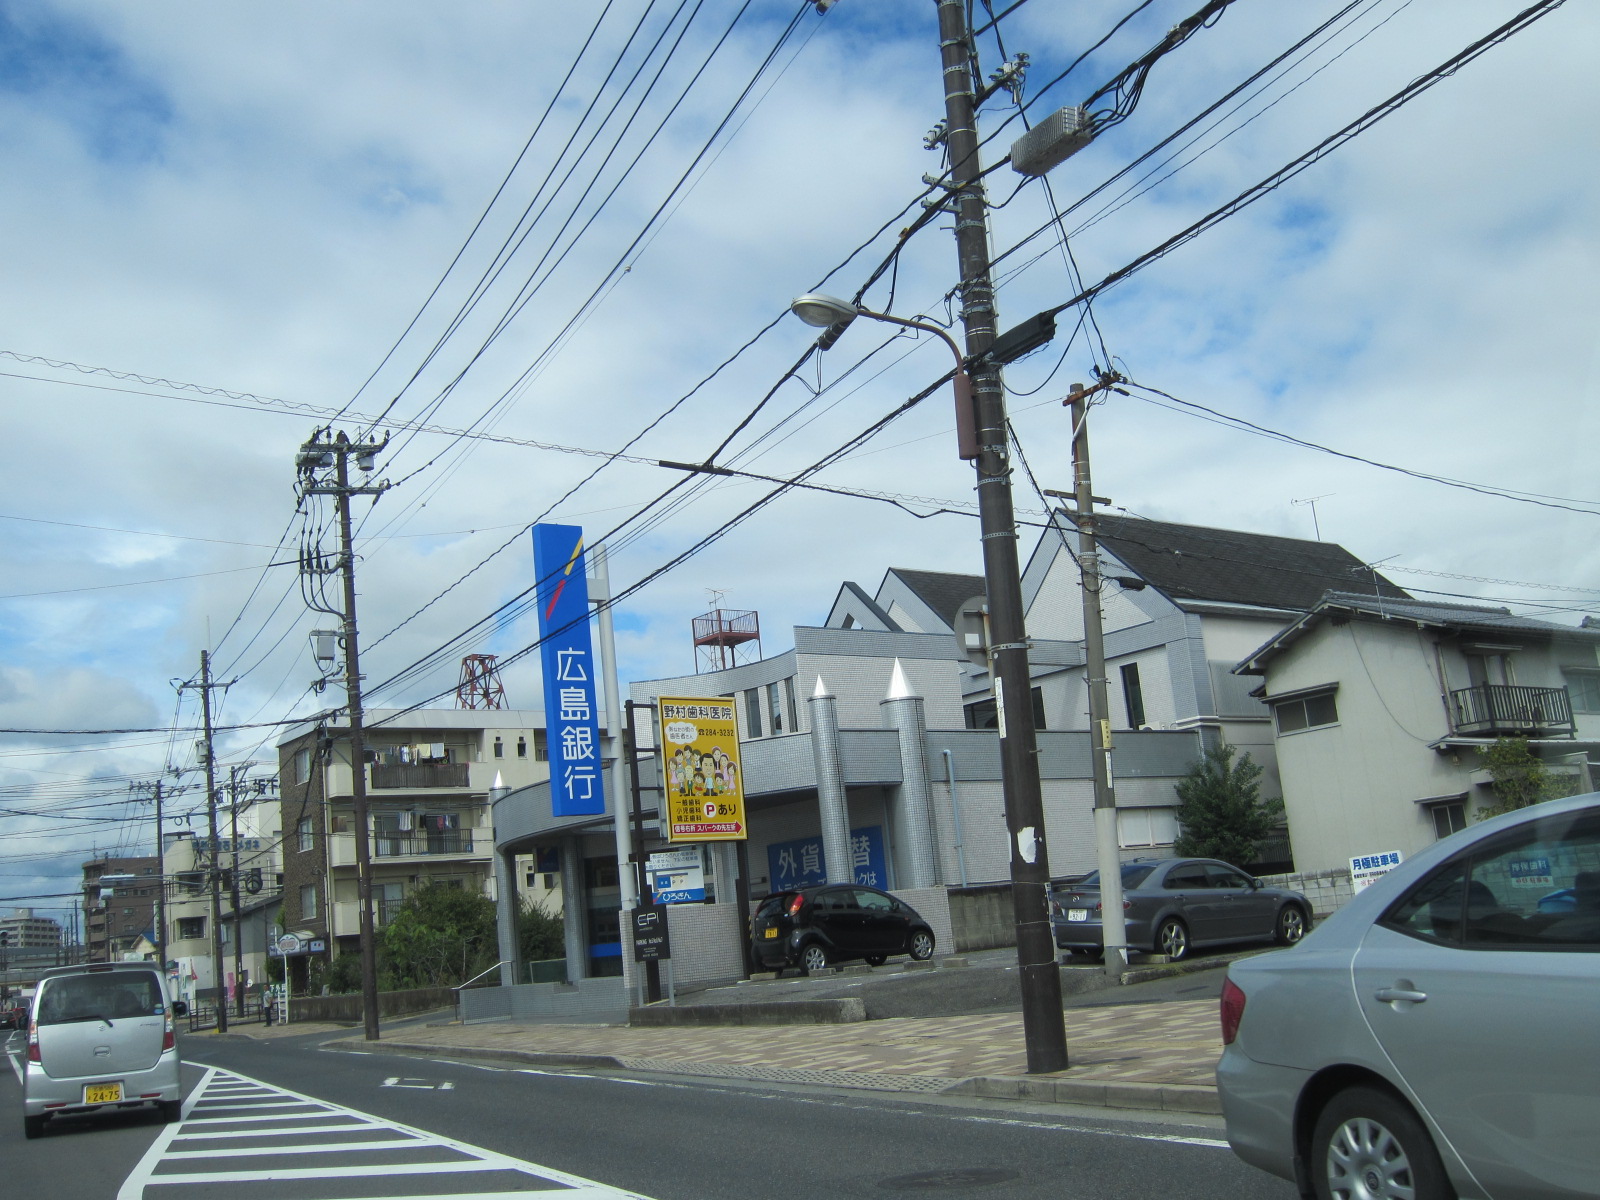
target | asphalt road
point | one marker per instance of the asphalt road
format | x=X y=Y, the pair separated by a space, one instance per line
x=414 y=1127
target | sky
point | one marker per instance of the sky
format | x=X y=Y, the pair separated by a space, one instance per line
x=532 y=242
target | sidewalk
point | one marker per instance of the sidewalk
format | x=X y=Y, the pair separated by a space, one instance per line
x=1140 y=1056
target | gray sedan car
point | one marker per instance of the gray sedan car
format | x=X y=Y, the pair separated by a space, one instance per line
x=1172 y=905
x=1438 y=1036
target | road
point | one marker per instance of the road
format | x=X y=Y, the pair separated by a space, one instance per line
x=287 y=1120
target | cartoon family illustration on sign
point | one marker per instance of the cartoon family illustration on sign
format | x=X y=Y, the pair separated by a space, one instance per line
x=691 y=773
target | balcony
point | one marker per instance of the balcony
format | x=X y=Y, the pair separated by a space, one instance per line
x=420 y=775
x=1508 y=710
x=397 y=847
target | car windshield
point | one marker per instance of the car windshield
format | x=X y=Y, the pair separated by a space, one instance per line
x=102 y=997
x=1133 y=874
x=774 y=904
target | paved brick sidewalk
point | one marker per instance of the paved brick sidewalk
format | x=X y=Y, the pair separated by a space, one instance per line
x=1150 y=1056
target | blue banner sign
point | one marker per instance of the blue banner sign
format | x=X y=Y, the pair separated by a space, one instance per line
x=803 y=863
x=572 y=727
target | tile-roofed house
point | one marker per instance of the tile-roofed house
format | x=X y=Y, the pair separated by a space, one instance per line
x=1382 y=706
x=1193 y=562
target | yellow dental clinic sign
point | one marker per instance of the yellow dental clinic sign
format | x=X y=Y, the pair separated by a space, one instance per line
x=700 y=769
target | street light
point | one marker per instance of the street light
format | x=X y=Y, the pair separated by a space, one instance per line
x=833 y=315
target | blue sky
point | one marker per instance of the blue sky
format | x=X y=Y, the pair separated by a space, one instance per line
x=257 y=202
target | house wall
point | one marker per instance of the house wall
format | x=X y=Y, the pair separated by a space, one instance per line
x=1350 y=788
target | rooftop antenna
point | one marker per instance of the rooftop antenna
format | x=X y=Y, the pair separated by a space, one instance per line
x=1312 y=501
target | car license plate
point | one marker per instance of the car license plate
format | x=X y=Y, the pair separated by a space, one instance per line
x=102 y=1093
x=771 y=933
x=1077 y=914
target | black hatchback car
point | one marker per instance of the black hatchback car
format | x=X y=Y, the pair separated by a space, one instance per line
x=815 y=927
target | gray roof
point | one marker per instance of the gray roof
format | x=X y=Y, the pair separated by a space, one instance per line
x=1193 y=562
x=943 y=592
x=1469 y=619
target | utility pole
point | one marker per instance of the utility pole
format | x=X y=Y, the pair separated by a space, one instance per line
x=204 y=686
x=238 y=924
x=161 y=878
x=1044 y=1028
x=1108 y=857
x=314 y=456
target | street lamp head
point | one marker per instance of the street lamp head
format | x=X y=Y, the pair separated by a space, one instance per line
x=823 y=312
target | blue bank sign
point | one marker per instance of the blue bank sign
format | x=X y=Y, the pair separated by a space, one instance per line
x=803 y=863
x=572 y=727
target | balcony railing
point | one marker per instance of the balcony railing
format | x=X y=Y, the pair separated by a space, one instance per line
x=387 y=846
x=420 y=775
x=1501 y=710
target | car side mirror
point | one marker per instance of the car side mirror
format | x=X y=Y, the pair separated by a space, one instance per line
x=1255 y=884
x=180 y=1009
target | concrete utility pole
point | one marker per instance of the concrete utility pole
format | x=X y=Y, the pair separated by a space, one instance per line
x=204 y=686
x=1044 y=1028
x=233 y=888
x=161 y=877
x=315 y=456
x=1108 y=856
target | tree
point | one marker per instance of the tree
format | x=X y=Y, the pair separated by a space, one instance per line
x=1519 y=777
x=440 y=936
x=540 y=934
x=1222 y=814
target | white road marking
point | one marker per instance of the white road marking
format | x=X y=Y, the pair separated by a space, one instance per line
x=421 y=1085
x=186 y=1144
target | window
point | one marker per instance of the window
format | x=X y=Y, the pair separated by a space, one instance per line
x=1448 y=818
x=191 y=928
x=752 y=712
x=1305 y=712
x=541 y=748
x=302 y=765
x=775 y=706
x=1584 y=688
x=792 y=709
x=1132 y=695
x=982 y=715
x=1146 y=827
x=307 y=836
x=522 y=747
x=1536 y=887
x=499 y=748
x=308 y=902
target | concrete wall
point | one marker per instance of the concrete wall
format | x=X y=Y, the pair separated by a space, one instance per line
x=347 y=1008
x=587 y=998
x=1327 y=890
x=982 y=918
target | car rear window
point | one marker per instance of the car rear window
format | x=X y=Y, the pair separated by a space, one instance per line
x=101 y=996
x=1133 y=874
x=774 y=904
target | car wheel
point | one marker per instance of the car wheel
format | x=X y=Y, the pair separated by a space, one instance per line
x=1291 y=925
x=1172 y=939
x=922 y=945
x=33 y=1127
x=1368 y=1144
x=876 y=960
x=814 y=958
x=171 y=1111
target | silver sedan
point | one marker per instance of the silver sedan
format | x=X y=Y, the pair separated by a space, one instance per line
x=1439 y=1036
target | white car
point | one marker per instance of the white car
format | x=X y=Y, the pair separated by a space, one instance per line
x=101 y=1037
x=1438 y=1036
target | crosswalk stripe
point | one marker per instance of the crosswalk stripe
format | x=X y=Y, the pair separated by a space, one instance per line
x=159 y=1173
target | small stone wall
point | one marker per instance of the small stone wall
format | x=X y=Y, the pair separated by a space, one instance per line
x=347 y=1008
x=1327 y=890
x=981 y=918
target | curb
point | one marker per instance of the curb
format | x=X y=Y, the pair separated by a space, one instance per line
x=1155 y=1097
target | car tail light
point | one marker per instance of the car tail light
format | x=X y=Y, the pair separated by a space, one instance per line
x=33 y=1042
x=1232 y=1011
x=795 y=905
x=169 y=1038
x=1127 y=905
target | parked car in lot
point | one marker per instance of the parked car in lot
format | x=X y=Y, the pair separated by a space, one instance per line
x=101 y=1037
x=814 y=927
x=1174 y=905
x=1438 y=1036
